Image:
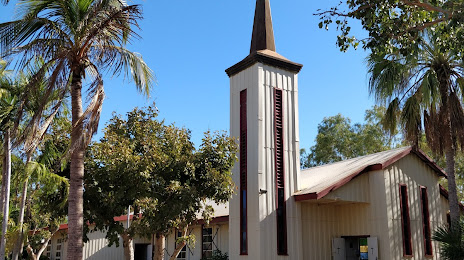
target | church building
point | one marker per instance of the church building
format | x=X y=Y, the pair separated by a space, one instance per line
x=380 y=206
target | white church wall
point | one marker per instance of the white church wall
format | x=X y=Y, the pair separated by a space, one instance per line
x=97 y=246
x=247 y=79
x=325 y=220
x=270 y=78
x=414 y=173
x=356 y=191
x=381 y=216
x=260 y=81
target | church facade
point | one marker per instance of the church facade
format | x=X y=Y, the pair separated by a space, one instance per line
x=380 y=206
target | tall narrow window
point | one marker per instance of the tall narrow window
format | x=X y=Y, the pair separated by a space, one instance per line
x=426 y=221
x=59 y=244
x=206 y=242
x=405 y=222
x=48 y=251
x=280 y=174
x=183 y=252
x=243 y=174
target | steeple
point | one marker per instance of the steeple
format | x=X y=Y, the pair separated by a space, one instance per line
x=263 y=34
x=262 y=44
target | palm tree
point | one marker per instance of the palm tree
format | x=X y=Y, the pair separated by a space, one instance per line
x=31 y=136
x=8 y=111
x=424 y=91
x=79 y=40
x=451 y=241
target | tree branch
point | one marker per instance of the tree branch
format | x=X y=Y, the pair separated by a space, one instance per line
x=179 y=246
x=415 y=3
x=427 y=6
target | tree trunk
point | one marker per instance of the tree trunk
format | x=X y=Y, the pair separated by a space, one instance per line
x=452 y=189
x=42 y=248
x=76 y=189
x=179 y=246
x=19 y=243
x=30 y=252
x=7 y=174
x=159 y=247
x=128 y=245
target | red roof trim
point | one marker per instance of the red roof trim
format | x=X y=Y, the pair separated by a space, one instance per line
x=214 y=220
x=445 y=194
x=308 y=196
x=199 y=222
x=374 y=167
x=430 y=163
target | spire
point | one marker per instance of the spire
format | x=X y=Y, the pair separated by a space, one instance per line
x=263 y=34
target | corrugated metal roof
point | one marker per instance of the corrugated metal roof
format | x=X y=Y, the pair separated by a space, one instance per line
x=321 y=180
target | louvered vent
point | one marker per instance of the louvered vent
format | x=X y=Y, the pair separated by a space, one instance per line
x=279 y=145
x=280 y=174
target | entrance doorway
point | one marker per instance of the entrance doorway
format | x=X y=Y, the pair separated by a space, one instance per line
x=352 y=249
x=355 y=248
x=142 y=252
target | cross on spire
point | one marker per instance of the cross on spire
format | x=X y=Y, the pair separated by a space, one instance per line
x=263 y=34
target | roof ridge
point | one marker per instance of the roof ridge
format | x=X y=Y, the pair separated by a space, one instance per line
x=356 y=158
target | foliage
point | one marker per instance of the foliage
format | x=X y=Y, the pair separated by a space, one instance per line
x=395 y=26
x=451 y=241
x=47 y=188
x=79 y=41
x=424 y=91
x=338 y=139
x=217 y=255
x=143 y=162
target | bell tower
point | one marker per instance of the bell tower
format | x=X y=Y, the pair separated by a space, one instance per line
x=264 y=220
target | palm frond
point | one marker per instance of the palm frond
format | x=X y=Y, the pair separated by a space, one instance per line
x=389 y=121
x=135 y=68
x=433 y=131
x=411 y=119
x=451 y=241
x=385 y=76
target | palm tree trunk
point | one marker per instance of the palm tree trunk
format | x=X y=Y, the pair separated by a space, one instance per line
x=452 y=189
x=7 y=174
x=19 y=243
x=159 y=247
x=76 y=189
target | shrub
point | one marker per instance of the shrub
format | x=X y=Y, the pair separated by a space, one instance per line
x=217 y=255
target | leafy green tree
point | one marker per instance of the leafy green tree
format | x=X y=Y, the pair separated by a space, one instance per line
x=154 y=167
x=338 y=139
x=424 y=90
x=395 y=26
x=79 y=40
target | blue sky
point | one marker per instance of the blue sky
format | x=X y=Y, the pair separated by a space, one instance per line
x=189 y=44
